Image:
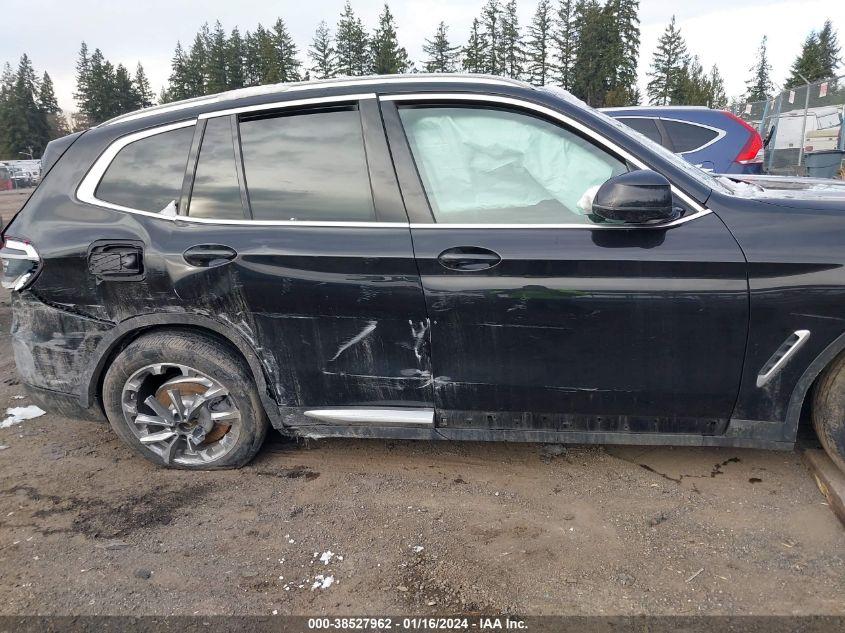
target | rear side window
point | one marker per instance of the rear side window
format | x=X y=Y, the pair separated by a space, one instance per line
x=646 y=127
x=307 y=166
x=688 y=137
x=147 y=174
x=216 y=193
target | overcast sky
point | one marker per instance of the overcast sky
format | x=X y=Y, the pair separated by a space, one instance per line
x=724 y=32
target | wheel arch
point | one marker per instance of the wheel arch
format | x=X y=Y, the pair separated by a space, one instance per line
x=130 y=329
x=802 y=389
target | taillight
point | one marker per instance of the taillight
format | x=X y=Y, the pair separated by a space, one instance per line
x=752 y=151
x=21 y=263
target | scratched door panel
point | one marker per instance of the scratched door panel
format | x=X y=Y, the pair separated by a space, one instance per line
x=338 y=311
x=587 y=323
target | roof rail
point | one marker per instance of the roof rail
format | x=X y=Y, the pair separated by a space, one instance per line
x=231 y=95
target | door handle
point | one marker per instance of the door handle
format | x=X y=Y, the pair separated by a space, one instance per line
x=209 y=255
x=468 y=258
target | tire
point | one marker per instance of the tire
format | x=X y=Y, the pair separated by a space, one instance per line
x=202 y=361
x=829 y=411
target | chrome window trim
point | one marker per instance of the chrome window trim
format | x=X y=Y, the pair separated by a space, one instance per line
x=87 y=187
x=86 y=190
x=281 y=88
x=553 y=114
x=278 y=105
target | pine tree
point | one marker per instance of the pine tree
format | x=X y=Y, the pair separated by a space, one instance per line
x=47 y=96
x=252 y=62
x=759 y=87
x=512 y=52
x=808 y=64
x=180 y=82
x=23 y=124
x=322 y=53
x=101 y=103
x=215 y=61
x=351 y=44
x=692 y=87
x=491 y=23
x=56 y=122
x=667 y=65
x=196 y=63
x=627 y=40
x=565 y=41
x=83 y=72
x=266 y=67
x=595 y=62
x=716 y=98
x=286 y=53
x=474 y=52
x=235 y=61
x=126 y=97
x=539 y=43
x=442 y=57
x=7 y=84
x=386 y=56
x=829 y=50
x=143 y=88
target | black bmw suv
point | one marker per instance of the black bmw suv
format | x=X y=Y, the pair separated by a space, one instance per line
x=433 y=257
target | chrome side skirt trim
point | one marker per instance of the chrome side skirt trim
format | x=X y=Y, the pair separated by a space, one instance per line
x=379 y=417
x=782 y=354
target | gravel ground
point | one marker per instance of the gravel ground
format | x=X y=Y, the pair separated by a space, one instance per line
x=399 y=527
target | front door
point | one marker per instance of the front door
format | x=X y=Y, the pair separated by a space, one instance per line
x=544 y=318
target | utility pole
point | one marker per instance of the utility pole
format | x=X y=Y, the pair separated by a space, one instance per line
x=804 y=123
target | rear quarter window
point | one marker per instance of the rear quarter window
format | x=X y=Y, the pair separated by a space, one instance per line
x=147 y=174
x=646 y=127
x=688 y=137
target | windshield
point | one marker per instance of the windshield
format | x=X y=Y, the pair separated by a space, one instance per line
x=699 y=174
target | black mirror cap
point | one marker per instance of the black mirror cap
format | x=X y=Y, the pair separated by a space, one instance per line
x=636 y=197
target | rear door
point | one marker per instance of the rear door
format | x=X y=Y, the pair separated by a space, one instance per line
x=543 y=318
x=298 y=225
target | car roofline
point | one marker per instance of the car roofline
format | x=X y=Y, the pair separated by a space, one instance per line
x=296 y=87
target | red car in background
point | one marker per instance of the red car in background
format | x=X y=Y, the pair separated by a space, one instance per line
x=5 y=179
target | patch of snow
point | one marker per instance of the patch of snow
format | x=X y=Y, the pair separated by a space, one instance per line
x=170 y=210
x=418 y=548
x=585 y=202
x=16 y=415
x=326 y=557
x=322 y=582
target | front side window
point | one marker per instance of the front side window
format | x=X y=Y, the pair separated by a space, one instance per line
x=147 y=174
x=307 y=166
x=216 y=193
x=492 y=166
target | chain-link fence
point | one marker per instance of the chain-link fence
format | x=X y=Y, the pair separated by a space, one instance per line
x=801 y=128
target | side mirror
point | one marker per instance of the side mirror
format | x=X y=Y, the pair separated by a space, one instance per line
x=636 y=197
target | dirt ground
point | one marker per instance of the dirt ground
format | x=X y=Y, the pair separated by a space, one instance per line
x=406 y=527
